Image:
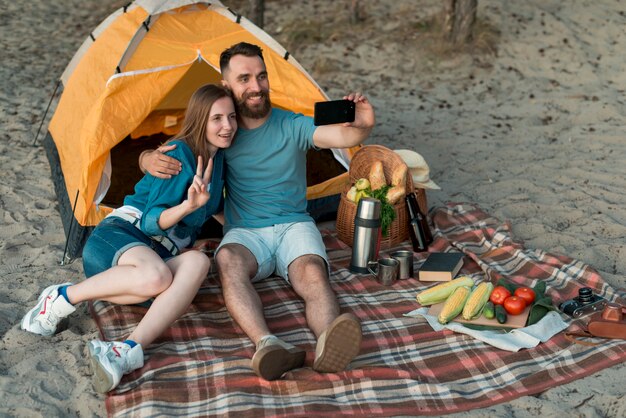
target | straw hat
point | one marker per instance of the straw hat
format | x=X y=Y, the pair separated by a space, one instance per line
x=418 y=168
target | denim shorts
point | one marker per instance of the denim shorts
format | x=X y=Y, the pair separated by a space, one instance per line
x=110 y=239
x=275 y=247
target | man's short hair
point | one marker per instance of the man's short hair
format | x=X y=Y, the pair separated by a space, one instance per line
x=242 y=48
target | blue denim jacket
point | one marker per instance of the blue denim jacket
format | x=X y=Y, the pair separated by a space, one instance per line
x=153 y=195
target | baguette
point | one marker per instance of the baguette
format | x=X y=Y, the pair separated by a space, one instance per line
x=377 y=176
x=398 y=176
x=395 y=194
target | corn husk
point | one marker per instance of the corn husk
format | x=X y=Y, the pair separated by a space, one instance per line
x=440 y=292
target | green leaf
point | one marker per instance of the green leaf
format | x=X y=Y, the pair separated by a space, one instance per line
x=540 y=289
x=539 y=309
x=387 y=212
x=510 y=286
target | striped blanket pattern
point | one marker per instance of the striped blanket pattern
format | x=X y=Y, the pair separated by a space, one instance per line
x=201 y=366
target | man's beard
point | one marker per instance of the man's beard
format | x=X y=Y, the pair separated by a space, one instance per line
x=257 y=112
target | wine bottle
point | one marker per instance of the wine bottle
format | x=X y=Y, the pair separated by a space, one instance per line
x=424 y=221
x=417 y=225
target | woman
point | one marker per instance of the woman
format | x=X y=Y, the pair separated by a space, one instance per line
x=133 y=254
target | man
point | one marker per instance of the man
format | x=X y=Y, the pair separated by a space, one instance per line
x=267 y=229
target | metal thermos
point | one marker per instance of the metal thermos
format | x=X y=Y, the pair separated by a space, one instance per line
x=367 y=234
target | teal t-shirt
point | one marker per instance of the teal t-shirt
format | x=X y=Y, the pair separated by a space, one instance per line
x=266 y=172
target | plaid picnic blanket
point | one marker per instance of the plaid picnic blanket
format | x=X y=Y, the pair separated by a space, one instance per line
x=201 y=366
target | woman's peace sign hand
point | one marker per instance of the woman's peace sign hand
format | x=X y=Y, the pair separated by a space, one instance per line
x=198 y=194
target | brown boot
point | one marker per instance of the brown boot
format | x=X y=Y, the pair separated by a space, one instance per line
x=274 y=357
x=338 y=345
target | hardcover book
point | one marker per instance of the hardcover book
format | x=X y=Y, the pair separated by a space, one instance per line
x=441 y=267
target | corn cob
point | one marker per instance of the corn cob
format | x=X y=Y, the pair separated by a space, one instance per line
x=454 y=304
x=475 y=303
x=441 y=292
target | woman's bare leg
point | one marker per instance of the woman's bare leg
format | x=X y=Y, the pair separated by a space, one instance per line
x=139 y=275
x=189 y=270
x=142 y=274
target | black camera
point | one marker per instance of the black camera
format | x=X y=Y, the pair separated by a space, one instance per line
x=585 y=304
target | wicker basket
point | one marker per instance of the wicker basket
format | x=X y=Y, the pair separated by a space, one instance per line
x=359 y=168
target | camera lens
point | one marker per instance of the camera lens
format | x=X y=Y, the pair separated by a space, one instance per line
x=585 y=295
x=569 y=307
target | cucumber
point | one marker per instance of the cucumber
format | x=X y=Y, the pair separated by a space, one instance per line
x=500 y=314
x=489 y=311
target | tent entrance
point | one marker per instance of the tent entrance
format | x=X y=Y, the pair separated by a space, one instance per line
x=162 y=123
x=125 y=172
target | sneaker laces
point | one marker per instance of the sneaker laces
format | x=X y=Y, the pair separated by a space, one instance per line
x=49 y=319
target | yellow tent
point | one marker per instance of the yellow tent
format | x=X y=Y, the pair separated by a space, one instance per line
x=132 y=78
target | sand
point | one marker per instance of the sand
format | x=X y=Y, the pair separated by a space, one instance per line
x=532 y=132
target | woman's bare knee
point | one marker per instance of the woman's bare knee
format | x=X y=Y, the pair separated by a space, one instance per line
x=199 y=263
x=154 y=278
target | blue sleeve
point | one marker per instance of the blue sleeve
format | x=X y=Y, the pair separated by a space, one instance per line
x=166 y=193
x=302 y=128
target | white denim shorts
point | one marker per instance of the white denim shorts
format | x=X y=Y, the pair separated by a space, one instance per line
x=275 y=247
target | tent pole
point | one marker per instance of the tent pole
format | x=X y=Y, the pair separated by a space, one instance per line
x=69 y=232
x=56 y=87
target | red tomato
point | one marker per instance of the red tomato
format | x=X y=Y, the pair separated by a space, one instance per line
x=514 y=305
x=526 y=293
x=498 y=295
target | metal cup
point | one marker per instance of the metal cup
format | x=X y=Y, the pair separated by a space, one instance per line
x=406 y=263
x=386 y=270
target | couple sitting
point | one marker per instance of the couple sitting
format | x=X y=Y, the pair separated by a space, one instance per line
x=133 y=254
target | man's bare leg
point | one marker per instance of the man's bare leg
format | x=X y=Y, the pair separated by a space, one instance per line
x=273 y=357
x=309 y=278
x=237 y=266
x=339 y=336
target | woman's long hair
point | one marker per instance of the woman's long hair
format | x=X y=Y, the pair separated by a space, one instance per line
x=196 y=119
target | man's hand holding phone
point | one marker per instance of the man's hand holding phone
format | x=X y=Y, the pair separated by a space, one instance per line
x=350 y=122
x=354 y=111
x=364 y=112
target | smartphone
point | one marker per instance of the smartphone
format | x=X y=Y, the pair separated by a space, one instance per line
x=334 y=111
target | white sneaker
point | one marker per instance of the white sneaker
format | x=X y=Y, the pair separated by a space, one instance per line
x=111 y=360
x=50 y=309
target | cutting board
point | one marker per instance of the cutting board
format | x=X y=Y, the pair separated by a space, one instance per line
x=513 y=321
